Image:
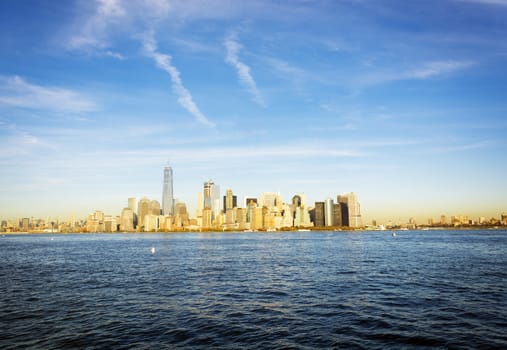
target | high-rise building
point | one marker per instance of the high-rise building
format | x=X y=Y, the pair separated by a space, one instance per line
x=211 y=198
x=181 y=218
x=248 y=200
x=355 y=219
x=127 y=220
x=329 y=212
x=207 y=194
x=25 y=224
x=230 y=200
x=296 y=201
x=155 y=207
x=240 y=214
x=95 y=222
x=132 y=204
x=109 y=223
x=302 y=217
x=344 y=206
x=167 y=192
x=268 y=200
x=337 y=215
x=206 y=218
x=319 y=214
x=143 y=209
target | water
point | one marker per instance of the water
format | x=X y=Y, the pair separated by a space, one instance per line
x=425 y=289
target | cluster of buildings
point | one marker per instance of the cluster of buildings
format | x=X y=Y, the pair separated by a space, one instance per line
x=215 y=212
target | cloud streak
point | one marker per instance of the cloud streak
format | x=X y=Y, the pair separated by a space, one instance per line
x=16 y=92
x=487 y=2
x=436 y=68
x=232 y=48
x=163 y=61
x=423 y=71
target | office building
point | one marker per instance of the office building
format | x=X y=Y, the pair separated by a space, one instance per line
x=230 y=200
x=344 y=206
x=329 y=212
x=337 y=215
x=127 y=220
x=143 y=209
x=319 y=214
x=268 y=200
x=355 y=219
x=167 y=192
x=211 y=198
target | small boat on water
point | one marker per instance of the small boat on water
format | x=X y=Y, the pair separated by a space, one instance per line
x=394 y=234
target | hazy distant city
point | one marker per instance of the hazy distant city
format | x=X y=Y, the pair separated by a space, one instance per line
x=217 y=212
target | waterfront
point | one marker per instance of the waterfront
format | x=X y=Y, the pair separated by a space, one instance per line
x=443 y=289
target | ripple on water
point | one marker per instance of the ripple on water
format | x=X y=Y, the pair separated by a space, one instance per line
x=298 y=290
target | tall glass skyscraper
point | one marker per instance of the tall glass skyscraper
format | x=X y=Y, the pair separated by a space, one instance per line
x=167 y=192
x=212 y=198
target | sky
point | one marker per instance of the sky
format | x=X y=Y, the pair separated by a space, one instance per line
x=402 y=102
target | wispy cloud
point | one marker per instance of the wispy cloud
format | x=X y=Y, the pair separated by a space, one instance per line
x=16 y=143
x=460 y=147
x=224 y=154
x=116 y=55
x=487 y=2
x=422 y=71
x=93 y=33
x=233 y=46
x=436 y=68
x=163 y=61
x=16 y=92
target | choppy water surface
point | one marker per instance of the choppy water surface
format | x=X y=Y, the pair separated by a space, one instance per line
x=435 y=289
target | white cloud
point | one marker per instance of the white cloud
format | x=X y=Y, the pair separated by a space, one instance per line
x=93 y=31
x=163 y=61
x=16 y=92
x=116 y=55
x=436 y=68
x=233 y=46
x=422 y=71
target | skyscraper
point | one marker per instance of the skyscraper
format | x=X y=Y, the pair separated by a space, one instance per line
x=329 y=212
x=319 y=214
x=268 y=200
x=167 y=192
x=344 y=206
x=352 y=216
x=230 y=200
x=354 y=211
x=143 y=209
x=211 y=198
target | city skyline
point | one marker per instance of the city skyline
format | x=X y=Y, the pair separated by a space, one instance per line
x=403 y=103
x=214 y=210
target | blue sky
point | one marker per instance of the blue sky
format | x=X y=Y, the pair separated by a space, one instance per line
x=402 y=102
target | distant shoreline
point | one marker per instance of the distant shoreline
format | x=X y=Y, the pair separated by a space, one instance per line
x=308 y=230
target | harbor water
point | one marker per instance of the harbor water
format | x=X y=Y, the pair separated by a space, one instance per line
x=294 y=290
